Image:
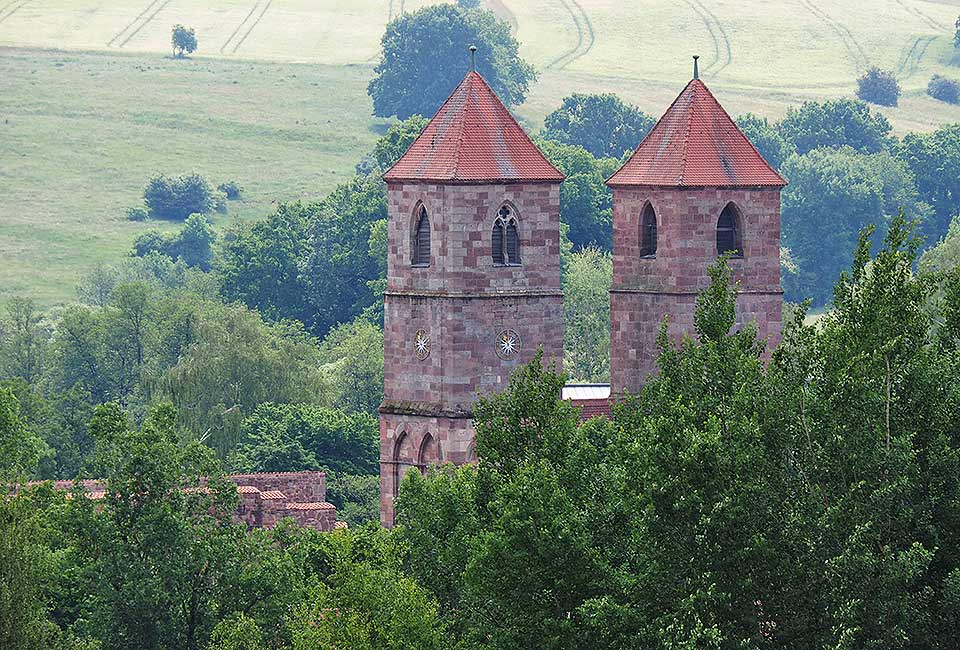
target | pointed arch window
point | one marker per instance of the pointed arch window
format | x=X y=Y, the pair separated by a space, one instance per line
x=420 y=240
x=729 y=233
x=505 y=238
x=648 y=232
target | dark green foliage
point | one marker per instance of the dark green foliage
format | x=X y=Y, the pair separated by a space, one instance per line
x=184 y=41
x=604 y=125
x=934 y=159
x=338 y=265
x=294 y=437
x=178 y=198
x=878 y=87
x=832 y=195
x=424 y=56
x=138 y=213
x=944 y=89
x=230 y=189
x=24 y=337
x=586 y=203
x=193 y=244
x=258 y=264
x=835 y=123
x=766 y=138
x=352 y=355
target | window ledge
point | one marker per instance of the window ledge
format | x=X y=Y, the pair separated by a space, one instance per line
x=649 y=257
x=498 y=265
x=420 y=266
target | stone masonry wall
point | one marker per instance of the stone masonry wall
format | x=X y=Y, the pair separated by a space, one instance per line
x=644 y=290
x=461 y=301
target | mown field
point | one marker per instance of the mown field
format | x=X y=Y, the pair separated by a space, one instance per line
x=275 y=98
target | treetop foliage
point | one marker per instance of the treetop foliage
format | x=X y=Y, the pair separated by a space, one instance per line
x=424 y=57
x=835 y=123
x=878 y=87
x=184 y=41
x=177 y=198
x=604 y=125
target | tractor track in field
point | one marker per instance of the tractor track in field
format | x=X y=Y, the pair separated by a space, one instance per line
x=236 y=31
x=18 y=7
x=722 y=52
x=853 y=47
x=910 y=63
x=924 y=18
x=253 y=25
x=159 y=7
x=581 y=21
x=132 y=22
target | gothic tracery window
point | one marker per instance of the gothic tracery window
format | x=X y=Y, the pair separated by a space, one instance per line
x=729 y=235
x=420 y=241
x=505 y=238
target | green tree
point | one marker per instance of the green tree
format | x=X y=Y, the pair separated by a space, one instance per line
x=604 y=125
x=586 y=203
x=878 y=87
x=934 y=159
x=766 y=138
x=832 y=195
x=944 y=89
x=25 y=558
x=414 y=80
x=835 y=123
x=293 y=437
x=24 y=338
x=945 y=256
x=338 y=266
x=156 y=548
x=586 y=315
x=353 y=364
x=956 y=35
x=178 y=198
x=258 y=264
x=184 y=41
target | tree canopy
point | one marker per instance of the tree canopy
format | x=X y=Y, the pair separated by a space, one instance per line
x=423 y=58
x=604 y=125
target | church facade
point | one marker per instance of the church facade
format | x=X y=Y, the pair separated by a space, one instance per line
x=473 y=269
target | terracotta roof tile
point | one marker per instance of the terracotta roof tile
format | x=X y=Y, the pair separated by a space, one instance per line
x=473 y=138
x=696 y=144
x=272 y=494
x=247 y=489
x=312 y=505
x=591 y=408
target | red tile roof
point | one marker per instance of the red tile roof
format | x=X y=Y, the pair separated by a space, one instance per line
x=591 y=408
x=696 y=144
x=473 y=139
x=311 y=505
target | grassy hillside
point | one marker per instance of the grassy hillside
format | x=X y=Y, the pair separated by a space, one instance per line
x=275 y=97
x=81 y=133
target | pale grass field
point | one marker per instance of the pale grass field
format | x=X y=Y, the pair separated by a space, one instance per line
x=275 y=97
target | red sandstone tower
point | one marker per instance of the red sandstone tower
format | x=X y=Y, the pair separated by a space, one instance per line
x=473 y=278
x=694 y=188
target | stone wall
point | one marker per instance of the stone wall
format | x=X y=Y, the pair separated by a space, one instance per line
x=646 y=289
x=461 y=303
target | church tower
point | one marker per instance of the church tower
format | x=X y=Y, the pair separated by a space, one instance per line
x=473 y=278
x=694 y=188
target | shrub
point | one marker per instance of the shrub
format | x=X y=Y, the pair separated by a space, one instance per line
x=231 y=189
x=184 y=41
x=946 y=90
x=878 y=87
x=220 y=202
x=178 y=198
x=138 y=213
x=193 y=244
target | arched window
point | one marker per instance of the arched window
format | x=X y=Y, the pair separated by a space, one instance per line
x=420 y=241
x=729 y=236
x=429 y=452
x=505 y=239
x=648 y=232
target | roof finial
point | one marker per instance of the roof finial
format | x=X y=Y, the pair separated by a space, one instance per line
x=696 y=67
x=473 y=58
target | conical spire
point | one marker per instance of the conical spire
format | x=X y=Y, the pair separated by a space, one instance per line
x=696 y=144
x=473 y=139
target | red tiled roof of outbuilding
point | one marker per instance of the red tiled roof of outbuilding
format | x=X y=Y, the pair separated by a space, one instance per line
x=473 y=138
x=696 y=144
